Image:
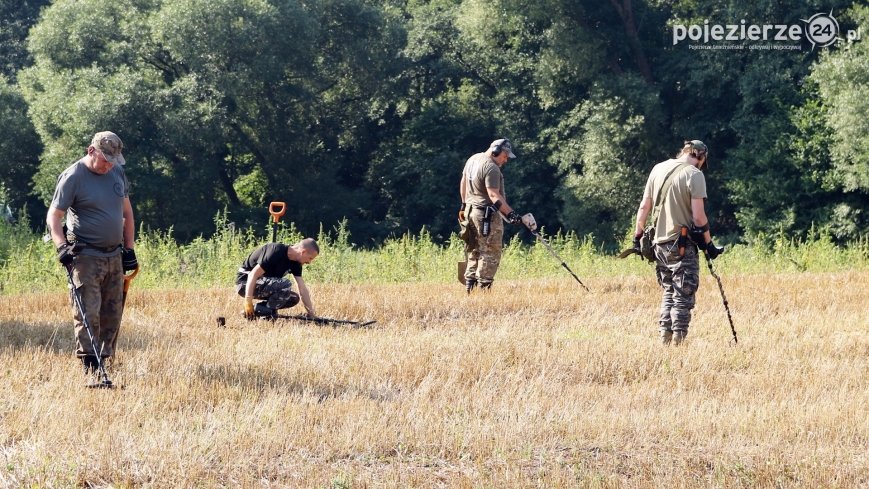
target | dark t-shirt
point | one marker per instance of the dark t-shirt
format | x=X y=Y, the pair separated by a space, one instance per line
x=272 y=257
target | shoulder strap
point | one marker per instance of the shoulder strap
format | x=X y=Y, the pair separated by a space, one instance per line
x=665 y=188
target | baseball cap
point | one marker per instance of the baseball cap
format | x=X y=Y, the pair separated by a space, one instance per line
x=110 y=145
x=699 y=147
x=502 y=145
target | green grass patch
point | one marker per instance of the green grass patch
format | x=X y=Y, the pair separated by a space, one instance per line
x=28 y=263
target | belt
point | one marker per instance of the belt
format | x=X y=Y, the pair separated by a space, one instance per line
x=108 y=249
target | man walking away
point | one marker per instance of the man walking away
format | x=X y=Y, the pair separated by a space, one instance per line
x=677 y=188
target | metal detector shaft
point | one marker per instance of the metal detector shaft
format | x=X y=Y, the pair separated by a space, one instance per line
x=723 y=297
x=551 y=251
x=98 y=353
x=321 y=320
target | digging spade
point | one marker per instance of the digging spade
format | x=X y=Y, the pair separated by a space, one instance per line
x=277 y=210
x=127 y=280
x=464 y=235
x=462 y=266
x=628 y=252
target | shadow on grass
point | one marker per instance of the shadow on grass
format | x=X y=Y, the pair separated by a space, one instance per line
x=20 y=335
x=257 y=379
x=55 y=337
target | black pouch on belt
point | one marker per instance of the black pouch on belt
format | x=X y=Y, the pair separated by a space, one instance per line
x=487 y=220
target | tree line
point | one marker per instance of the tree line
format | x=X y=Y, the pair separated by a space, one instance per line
x=368 y=109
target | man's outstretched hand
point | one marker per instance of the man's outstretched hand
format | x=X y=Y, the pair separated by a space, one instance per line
x=248 y=308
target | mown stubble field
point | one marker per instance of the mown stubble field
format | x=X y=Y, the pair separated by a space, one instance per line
x=536 y=383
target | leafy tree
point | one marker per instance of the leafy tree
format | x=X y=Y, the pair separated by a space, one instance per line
x=16 y=17
x=207 y=94
x=743 y=104
x=842 y=78
x=607 y=135
x=19 y=146
x=368 y=109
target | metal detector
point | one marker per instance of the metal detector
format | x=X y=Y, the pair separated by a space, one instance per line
x=326 y=321
x=545 y=243
x=221 y=321
x=104 y=383
x=529 y=222
x=723 y=297
x=277 y=210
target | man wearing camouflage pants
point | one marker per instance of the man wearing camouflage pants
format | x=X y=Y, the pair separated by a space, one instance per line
x=97 y=243
x=261 y=276
x=483 y=203
x=678 y=187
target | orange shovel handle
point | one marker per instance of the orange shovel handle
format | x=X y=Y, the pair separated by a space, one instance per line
x=129 y=278
x=277 y=210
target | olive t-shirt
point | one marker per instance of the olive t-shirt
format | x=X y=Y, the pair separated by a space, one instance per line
x=688 y=183
x=481 y=172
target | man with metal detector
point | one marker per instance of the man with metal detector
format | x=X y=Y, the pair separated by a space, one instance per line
x=483 y=203
x=96 y=246
x=676 y=192
x=261 y=277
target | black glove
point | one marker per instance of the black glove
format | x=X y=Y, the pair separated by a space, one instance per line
x=514 y=218
x=66 y=253
x=697 y=236
x=713 y=251
x=128 y=258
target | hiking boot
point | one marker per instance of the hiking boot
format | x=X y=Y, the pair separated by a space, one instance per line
x=90 y=364
x=486 y=286
x=679 y=337
x=470 y=284
x=263 y=311
x=666 y=337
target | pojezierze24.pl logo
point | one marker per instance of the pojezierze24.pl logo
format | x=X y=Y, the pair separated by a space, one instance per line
x=821 y=30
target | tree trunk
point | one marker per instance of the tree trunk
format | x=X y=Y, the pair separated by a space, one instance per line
x=626 y=13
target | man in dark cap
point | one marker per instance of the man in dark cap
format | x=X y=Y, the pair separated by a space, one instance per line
x=483 y=203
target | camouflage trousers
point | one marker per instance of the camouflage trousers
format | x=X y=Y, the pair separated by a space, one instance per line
x=484 y=252
x=276 y=292
x=679 y=276
x=99 y=281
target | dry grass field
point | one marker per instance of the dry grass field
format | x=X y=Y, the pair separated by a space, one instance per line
x=535 y=384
